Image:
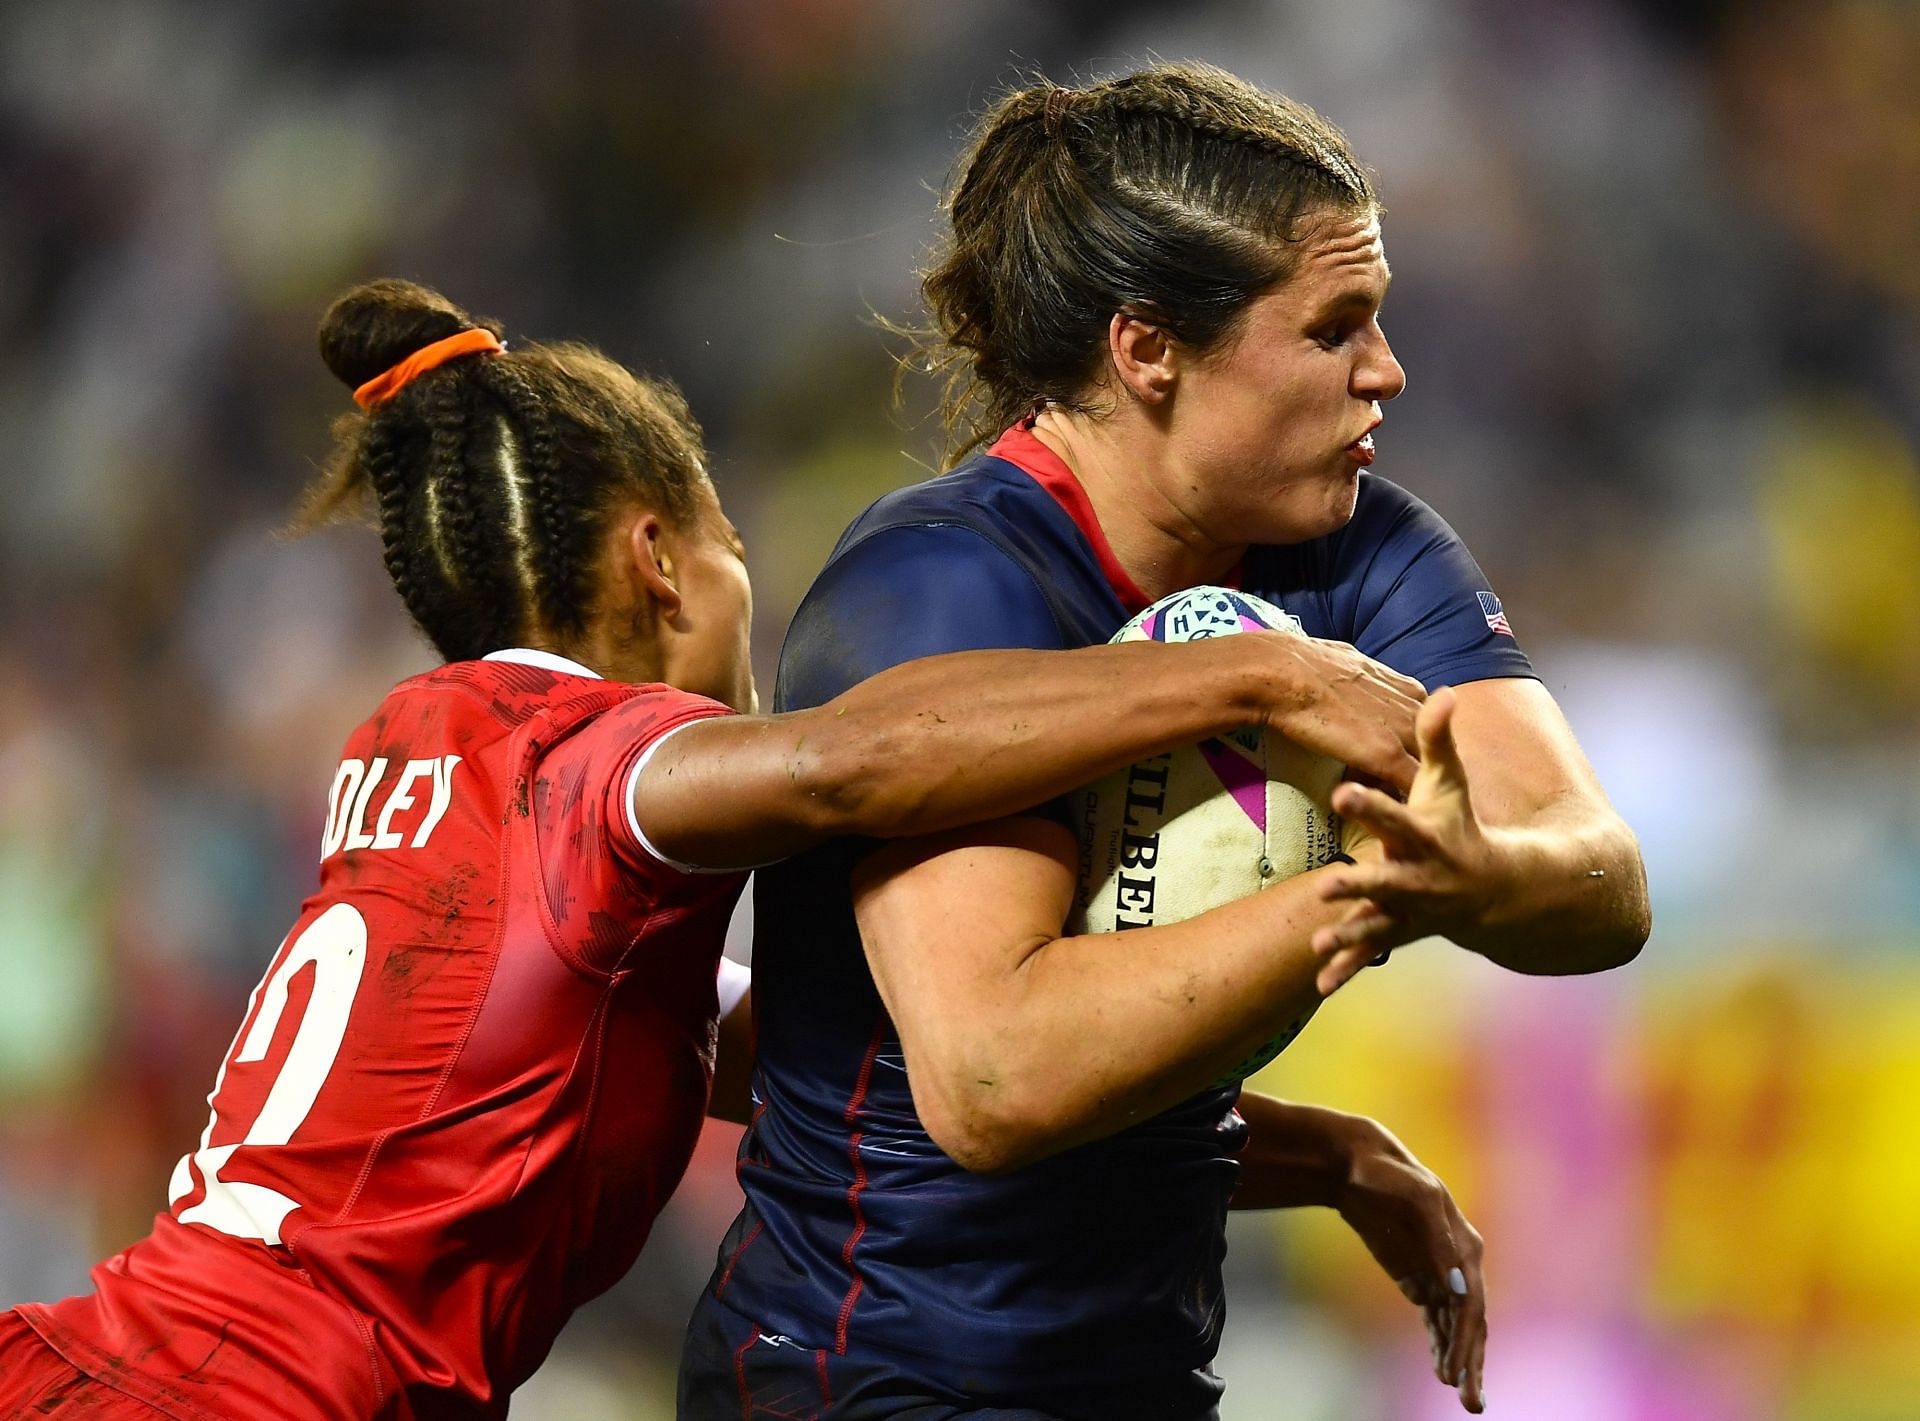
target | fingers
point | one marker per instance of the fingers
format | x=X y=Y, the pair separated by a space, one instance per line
x=1381 y=747
x=1354 y=709
x=1436 y=1316
x=1462 y=1325
x=1398 y=768
x=1341 y=969
x=1433 y=729
x=1431 y=1299
x=1364 y=922
x=1466 y=1350
x=1454 y=1311
x=1452 y=1290
x=1352 y=944
x=1448 y=1284
x=1386 y=885
x=1473 y=1392
x=1359 y=940
x=1389 y=761
x=1399 y=828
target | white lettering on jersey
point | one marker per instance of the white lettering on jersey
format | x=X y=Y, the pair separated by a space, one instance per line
x=385 y=836
x=335 y=945
x=345 y=785
x=357 y=835
x=352 y=794
x=442 y=797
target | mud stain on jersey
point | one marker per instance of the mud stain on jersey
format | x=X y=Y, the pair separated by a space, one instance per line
x=447 y=901
x=409 y=968
x=219 y=1342
x=56 y=1401
x=522 y=784
x=135 y=1381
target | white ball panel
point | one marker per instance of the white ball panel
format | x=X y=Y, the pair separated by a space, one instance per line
x=1203 y=825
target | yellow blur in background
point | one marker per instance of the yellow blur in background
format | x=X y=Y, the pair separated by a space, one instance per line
x=1704 y=1178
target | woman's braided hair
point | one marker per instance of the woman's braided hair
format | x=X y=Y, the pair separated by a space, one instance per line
x=1176 y=193
x=491 y=477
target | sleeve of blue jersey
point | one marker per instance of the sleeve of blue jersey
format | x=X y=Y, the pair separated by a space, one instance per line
x=902 y=593
x=1422 y=604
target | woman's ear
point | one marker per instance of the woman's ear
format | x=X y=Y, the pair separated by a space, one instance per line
x=1145 y=358
x=650 y=561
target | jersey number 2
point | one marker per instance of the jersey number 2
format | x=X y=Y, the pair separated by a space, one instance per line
x=336 y=944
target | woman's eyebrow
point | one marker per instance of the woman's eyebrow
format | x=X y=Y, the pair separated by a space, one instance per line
x=1354 y=298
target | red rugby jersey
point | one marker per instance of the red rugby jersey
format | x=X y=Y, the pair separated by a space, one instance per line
x=469 y=1080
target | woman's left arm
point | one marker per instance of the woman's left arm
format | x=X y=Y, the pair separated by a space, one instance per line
x=1506 y=845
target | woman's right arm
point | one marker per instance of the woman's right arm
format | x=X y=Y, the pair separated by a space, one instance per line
x=950 y=740
x=1021 y=1042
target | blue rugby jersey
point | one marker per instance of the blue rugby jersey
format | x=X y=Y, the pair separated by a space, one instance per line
x=1098 y=1268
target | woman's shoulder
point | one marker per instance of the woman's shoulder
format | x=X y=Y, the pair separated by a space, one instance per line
x=986 y=494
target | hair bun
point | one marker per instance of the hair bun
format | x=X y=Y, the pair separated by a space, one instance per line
x=378 y=324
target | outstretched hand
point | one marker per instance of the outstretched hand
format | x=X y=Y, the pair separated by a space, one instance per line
x=1416 y=1232
x=1439 y=869
x=1348 y=707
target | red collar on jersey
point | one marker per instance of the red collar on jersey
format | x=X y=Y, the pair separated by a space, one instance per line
x=1019 y=447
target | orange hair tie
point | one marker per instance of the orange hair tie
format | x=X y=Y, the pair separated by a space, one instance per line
x=384 y=387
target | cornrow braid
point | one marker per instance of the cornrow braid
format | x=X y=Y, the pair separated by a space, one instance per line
x=1278 y=127
x=492 y=476
x=1178 y=191
x=559 y=549
x=468 y=540
x=387 y=476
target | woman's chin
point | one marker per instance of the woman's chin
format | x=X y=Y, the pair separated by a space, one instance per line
x=1298 y=524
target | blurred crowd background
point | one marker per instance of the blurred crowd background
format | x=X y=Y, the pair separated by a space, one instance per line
x=1658 y=292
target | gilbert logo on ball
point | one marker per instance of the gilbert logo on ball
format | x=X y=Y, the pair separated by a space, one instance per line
x=1172 y=837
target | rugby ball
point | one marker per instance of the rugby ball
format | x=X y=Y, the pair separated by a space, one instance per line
x=1172 y=837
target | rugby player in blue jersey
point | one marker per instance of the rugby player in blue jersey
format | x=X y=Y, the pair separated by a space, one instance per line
x=986 y=1176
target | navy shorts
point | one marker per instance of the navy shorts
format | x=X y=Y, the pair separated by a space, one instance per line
x=733 y=1371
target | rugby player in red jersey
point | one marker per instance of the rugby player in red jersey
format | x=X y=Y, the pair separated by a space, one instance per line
x=476 y=1065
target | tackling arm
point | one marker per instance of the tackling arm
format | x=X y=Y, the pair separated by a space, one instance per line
x=949 y=740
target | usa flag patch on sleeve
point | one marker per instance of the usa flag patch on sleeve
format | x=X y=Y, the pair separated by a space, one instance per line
x=1497 y=619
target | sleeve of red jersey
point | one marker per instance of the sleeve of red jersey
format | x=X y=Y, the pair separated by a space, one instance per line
x=587 y=787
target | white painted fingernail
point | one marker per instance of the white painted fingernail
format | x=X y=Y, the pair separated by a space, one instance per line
x=1457 y=1282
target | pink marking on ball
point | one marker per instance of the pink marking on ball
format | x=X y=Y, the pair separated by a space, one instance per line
x=1241 y=778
